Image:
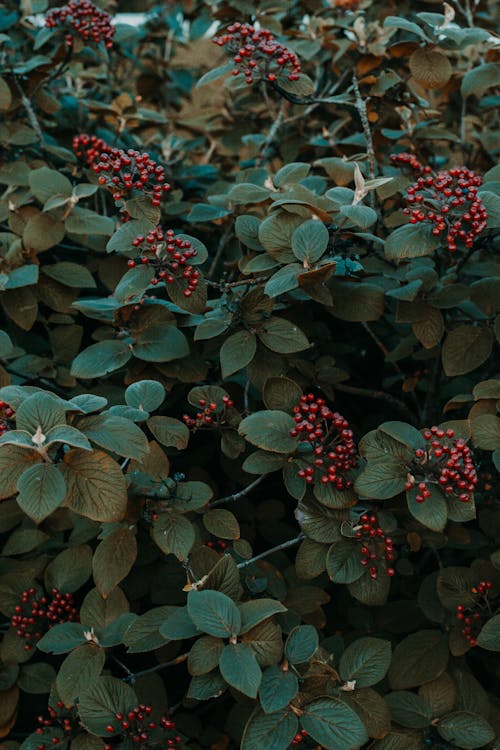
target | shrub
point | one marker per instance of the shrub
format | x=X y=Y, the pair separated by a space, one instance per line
x=249 y=431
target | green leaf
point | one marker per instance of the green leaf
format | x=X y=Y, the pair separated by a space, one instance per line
x=214 y=613
x=6 y=345
x=14 y=460
x=41 y=490
x=45 y=182
x=62 y=638
x=433 y=512
x=244 y=193
x=419 y=658
x=310 y=241
x=282 y=336
x=174 y=534
x=486 y=432
x=100 y=359
x=479 y=79
x=400 y=22
x=382 y=479
x=277 y=689
x=283 y=280
x=179 y=626
x=70 y=569
x=70 y=274
x=116 y=434
x=215 y=74
x=465 y=348
x=366 y=661
x=113 y=560
x=356 y=302
x=343 y=562
x=22 y=276
x=68 y=436
x=162 y=342
x=83 y=221
x=169 y=431
x=192 y=495
x=489 y=637
x=221 y=523
x=361 y=216
x=238 y=666
x=257 y=610
x=147 y=395
x=206 y=686
x=204 y=655
x=99 y=703
x=270 y=731
x=404 y=433
x=5 y=95
x=143 y=633
x=42 y=409
x=333 y=724
x=301 y=644
x=236 y=352
x=79 y=669
x=133 y=284
x=466 y=729
x=36 y=679
x=122 y=239
x=95 y=485
x=409 y=710
x=371 y=709
x=372 y=592
x=269 y=430
x=410 y=241
x=440 y=694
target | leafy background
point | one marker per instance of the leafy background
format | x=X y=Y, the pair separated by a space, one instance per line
x=209 y=580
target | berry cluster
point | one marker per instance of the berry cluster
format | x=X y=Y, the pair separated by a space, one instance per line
x=472 y=617
x=168 y=256
x=258 y=54
x=89 y=22
x=446 y=462
x=448 y=200
x=33 y=617
x=299 y=737
x=122 y=172
x=7 y=414
x=136 y=727
x=330 y=439
x=375 y=545
x=66 y=720
x=211 y=415
x=409 y=160
x=219 y=545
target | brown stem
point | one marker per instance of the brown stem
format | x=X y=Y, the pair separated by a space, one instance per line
x=360 y=105
x=278 y=548
x=30 y=112
x=238 y=495
x=132 y=677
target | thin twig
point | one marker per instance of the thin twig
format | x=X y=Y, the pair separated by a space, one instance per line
x=223 y=285
x=132 y=677
x=30 y=112
x=220 y=251
x=238 y=495
x=272 y=134
x=360 y=105
x=128 y=671
x=400 y=406
x=278 y=548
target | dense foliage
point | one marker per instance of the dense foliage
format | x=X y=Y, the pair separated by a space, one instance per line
x=250 y=305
